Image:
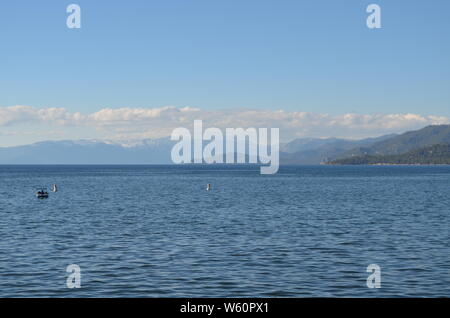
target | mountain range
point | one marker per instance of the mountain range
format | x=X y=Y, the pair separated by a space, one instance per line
x=436 y=154
x=429 y=145
x=158 y=151
x=312 y=151
x=150 y=151
x=428 y=136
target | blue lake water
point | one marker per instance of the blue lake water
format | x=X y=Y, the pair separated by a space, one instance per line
x=153 y=231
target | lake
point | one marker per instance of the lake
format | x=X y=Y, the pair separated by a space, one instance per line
x=154 y=231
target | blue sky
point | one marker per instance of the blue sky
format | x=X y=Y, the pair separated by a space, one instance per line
x=310 y=56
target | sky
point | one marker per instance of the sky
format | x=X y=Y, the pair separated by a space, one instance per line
x=139 y=68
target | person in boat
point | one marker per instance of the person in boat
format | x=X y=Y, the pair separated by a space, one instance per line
x=42 y=193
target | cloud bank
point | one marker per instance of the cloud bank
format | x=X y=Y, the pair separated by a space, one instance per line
x=139 y=123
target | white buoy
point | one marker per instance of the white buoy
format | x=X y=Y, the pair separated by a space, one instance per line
x=208 y=187
x=54 y=188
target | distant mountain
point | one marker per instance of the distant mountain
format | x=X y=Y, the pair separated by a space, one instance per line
x=436 y=154
x=158 y=151
x=428 y=136
x=307 y=144
x=148 y=151
x=89 y=152
x=310 y=151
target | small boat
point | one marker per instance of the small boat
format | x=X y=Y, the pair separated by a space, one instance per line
x=54 y=188
x=208 y=187
x=42 y=193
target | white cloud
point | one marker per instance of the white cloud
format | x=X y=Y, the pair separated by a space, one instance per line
x=136 y=123
x=23 y=114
